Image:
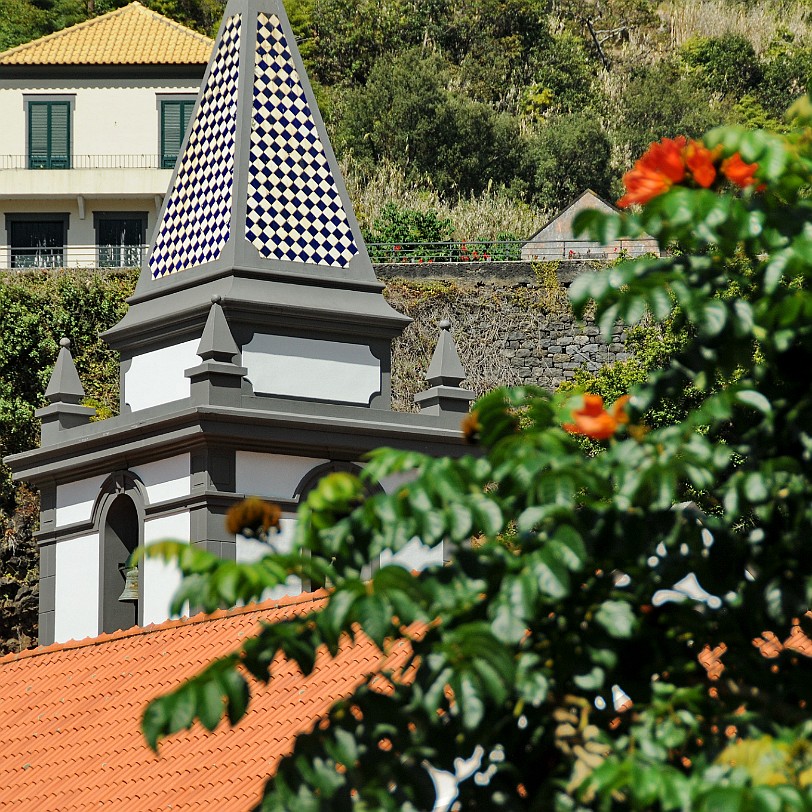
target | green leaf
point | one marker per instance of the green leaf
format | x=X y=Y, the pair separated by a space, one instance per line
x=182 y=707
x=755 y=488
x=155 y=721
x=372 y=613
x=237 y=694
x=568 y=544
x=550 y=574
x=755 y=400
x=723 y=799
x=713 y=320
x=460 y=521
x=468 y=695
x=209 y=700
x=617 y=618
x=593 y=681
x=531 y=681
x=489 y=515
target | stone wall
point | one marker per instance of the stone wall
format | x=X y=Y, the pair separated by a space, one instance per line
x=512 y=323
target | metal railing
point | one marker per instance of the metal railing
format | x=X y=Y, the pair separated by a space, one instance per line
x=72 y=256
x=123 y=161
x=462 y=251
x=507 y=250
x=131 y=256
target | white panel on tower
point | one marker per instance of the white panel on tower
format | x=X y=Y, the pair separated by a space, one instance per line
x=311 y=368
x=76 y=613
x=162 y=579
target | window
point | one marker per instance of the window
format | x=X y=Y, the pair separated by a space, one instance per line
x=49 y=143
x=37 y=240
x=120 y=238
x=175 y=116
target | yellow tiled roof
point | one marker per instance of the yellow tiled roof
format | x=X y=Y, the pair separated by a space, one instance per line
x=132 y=35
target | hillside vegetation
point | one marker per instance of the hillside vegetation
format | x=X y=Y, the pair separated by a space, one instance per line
x=492 y=114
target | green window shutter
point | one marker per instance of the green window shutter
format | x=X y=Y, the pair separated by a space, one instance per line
x=38 y=135
x=175 y=117
x=60 y=135
x=49 y=135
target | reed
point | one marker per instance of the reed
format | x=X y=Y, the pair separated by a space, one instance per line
x=761 y=23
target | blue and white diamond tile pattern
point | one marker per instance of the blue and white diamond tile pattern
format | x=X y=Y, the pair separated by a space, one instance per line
x=294 y=210
x=197 y=219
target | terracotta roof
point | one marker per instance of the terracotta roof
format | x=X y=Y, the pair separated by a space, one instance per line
x=132 y=35
x=70 y=715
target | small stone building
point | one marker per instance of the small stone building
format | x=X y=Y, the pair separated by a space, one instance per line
x=557 y=241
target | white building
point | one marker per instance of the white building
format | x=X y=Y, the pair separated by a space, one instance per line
x=93 y=120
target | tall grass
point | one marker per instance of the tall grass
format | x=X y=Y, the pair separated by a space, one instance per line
x=483 y=217
x=761 y=23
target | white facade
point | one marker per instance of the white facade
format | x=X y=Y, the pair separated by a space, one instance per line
x=116 y=169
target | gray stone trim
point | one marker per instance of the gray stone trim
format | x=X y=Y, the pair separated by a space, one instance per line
x=259 y=424
x=170 y=507
x=71 y=73
x=47 y=508
x=47 y=628
x=47 y=567
x=255 y=300
x=448 y=403
x=311 y=478
x=483 y=272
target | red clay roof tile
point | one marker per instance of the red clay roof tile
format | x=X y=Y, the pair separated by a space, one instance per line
x=70 y=713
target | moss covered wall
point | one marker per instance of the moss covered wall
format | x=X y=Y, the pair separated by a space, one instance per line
x=512 y=323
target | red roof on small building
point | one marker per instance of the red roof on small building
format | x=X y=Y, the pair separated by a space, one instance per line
x=70 y=715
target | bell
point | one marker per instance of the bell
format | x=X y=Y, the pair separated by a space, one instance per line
x=130 y=591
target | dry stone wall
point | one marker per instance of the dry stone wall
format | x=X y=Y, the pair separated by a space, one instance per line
x=512 y=323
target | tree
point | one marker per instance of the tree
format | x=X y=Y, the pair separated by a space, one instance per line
x=658 y=101
x=405 y=114
x=20 y=21
x=573 y=574
x=728 y=63
x=571 y=153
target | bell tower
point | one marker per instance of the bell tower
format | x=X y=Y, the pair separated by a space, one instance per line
x=255 y=354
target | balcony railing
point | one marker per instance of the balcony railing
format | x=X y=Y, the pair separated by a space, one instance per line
x=72 y=256
x=143 y=161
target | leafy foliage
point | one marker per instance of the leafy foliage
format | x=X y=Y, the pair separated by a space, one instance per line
x=36 y=310
x=576 y=574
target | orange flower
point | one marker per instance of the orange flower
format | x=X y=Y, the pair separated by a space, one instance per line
x=470 y=427
x=666 y=157
x=656 y=172
x=593 y=421
x=738 y=172
x=253 y=517
x=699 y=159
x=642 y=185
x=619 y=409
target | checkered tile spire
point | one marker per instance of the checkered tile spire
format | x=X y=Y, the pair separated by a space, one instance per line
x=197 y=219
x=294 y=212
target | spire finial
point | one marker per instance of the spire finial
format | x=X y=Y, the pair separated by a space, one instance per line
x=64 y=395
x=64 y=385
x=217 y=343
x=445 y=373
x=445 y=368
